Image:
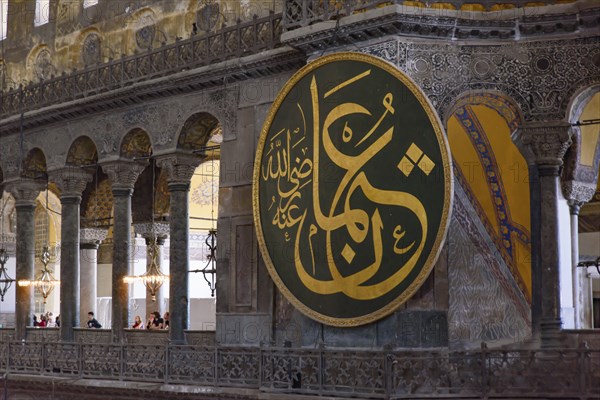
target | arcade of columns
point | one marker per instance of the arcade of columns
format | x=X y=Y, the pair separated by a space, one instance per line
x=76 y=275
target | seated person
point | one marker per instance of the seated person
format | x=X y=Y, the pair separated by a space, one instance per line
x=156 y=323
x=166 y=320
x=137 y=324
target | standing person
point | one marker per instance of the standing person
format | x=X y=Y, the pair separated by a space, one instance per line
x=93 y=322
x=35 y=320
x=42 y=323
x=58 y=321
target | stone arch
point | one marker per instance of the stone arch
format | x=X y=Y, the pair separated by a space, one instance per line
x=510 y=94
x=494 y=174
x=197 y=130
x=151 y=182
x=494 y=98
x=582 y=160
x=34 y=164
x=97 y=202
x=136 y=144
x=83 y=151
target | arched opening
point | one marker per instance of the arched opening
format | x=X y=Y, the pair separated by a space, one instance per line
x=202 y=134
x=7 y=246
x=584 y=166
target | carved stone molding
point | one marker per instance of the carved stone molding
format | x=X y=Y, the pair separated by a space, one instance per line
x=25 y=191
x=578 y=193
x=541 y=77
x=547 y=141
x=180 y=167
x=92 y=235
x=223 y=103
x=71 y=180
x=123 y=174
x=149 y=230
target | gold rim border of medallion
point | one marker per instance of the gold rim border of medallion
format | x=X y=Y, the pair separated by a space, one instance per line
x=448 y=189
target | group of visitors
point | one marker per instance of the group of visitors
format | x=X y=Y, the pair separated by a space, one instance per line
x=46 y=321
x=154 y=322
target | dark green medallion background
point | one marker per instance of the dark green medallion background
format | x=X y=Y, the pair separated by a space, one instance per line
x=288 y=141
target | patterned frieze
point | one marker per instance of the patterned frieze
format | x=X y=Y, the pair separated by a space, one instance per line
x=541 y=77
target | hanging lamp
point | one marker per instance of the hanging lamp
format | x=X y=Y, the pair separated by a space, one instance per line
x=5 y=280
x=209 y=271
x=45 y=281
x=153 y=278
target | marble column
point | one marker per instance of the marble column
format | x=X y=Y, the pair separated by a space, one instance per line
x=548 y=143
x=71 y=181
x=25 y=192
x=89 y=240
x=578 y=193
x=123 y=176
x=180 y=168
x=158 y=232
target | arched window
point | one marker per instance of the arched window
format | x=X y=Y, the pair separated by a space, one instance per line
x=42 y=12
x=3 y=18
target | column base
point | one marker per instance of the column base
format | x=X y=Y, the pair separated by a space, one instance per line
x=551 y=333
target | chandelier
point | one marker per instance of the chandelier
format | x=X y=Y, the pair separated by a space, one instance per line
x=45 y=281
x=5 y=280
x=153 y=278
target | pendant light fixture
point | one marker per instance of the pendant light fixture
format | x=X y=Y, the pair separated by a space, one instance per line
x=45 y=282
x=153 y=278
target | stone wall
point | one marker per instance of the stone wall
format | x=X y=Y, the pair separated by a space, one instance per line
x=484 y=302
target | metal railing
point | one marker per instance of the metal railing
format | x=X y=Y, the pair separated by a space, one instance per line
x=239 y=40
x=557 y=373
x=299 y=13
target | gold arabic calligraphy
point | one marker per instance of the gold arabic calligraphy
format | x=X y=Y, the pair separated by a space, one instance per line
x=291 y=166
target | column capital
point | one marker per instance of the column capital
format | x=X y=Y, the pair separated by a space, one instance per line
x=152 y=231
x=577 y=193
x=180 y=167
x=25 y=191
x=92 y=235
x=547 y=141
x=71 y=180
x=123 y=173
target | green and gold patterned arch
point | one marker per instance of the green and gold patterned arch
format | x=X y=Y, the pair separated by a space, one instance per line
x=352 y=189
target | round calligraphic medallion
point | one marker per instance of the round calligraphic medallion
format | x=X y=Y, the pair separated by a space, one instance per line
x=352 y=189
